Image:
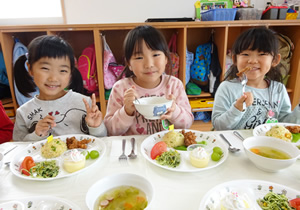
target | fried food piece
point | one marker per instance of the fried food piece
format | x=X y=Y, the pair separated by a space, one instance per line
x=293 y=129
x=73 y=143
x=248 y=68
x=189 y=138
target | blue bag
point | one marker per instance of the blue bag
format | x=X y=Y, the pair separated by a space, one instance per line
x=3 y=73
x=200 y=68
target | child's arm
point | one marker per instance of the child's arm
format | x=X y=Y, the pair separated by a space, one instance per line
x=180 y=113
x=117 y=120
x=93 y=118
x=285 y=113
x=21 y=133
x=225 y=115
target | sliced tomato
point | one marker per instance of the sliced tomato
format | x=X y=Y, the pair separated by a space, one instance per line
x=158 y=149
x=295 y=203
x=26 y=165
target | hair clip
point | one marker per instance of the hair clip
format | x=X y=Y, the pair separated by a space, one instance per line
x=26 y=54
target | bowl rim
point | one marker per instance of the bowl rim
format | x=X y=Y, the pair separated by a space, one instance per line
x=135 y=102
x=114 y=176
x=273 y=139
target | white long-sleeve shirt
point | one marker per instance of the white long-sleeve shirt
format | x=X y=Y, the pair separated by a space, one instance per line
x=69 y=112
x=226 y=117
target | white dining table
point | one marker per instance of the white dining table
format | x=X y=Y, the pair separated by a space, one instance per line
x=173 y=190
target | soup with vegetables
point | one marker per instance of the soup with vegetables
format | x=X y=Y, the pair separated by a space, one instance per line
x=270 y=152
x=123 y=197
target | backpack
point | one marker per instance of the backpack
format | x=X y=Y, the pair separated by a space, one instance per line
x=3 y=73
x=201 y=66
x=88 y=69
x=108 y=58
x=286 y=47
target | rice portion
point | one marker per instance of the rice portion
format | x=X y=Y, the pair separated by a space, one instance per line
x=279 y=131
x=54 y=148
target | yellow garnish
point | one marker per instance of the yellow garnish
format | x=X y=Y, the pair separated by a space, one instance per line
x=50 y=138
x=171 y=127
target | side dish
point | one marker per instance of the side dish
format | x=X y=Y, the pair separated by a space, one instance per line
x=53 y=149
x=270 y=152
x=279 y=131
x=73 y=160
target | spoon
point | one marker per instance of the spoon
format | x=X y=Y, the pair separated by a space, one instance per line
x=132 y=155
x=237 y=134
x=244 y=83
x=230 y=148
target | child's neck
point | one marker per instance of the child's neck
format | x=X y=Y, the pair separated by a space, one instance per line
x=258 y=84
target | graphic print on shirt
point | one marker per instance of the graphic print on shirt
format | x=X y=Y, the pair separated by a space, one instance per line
x=153 y=126
x=258 y=113
x=61 y=119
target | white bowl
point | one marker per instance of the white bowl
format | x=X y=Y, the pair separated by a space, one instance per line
x=270 y=164
x=152 y=107
x=116 y=180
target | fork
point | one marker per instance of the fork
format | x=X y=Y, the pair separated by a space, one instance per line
x=244 y=83
x=123 y=157
x=132 y=155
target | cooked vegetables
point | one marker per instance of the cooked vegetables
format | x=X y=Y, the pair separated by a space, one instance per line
x=274 y=201
x=170 y=158
x=45 y=169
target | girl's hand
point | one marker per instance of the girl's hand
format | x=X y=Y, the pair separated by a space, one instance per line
x=129 y=96
x=43 y=126
x=170 y=110
x=247 y=97
x=93 y=115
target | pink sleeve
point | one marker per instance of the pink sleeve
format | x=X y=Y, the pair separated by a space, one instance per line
x=182 y=117
x=116 y=119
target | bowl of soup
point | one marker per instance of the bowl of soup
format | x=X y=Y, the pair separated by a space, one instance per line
x=152 y=107
x=120 y=191
x=270 y=154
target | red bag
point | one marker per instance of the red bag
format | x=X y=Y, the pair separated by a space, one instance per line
x=174 y=56
x=88 y=69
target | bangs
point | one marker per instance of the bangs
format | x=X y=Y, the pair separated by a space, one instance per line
x=51 y=47
x=257 y=39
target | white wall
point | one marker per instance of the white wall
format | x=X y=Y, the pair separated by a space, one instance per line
x=128 y=11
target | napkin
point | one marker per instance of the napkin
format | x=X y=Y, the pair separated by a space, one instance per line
x=116 y=147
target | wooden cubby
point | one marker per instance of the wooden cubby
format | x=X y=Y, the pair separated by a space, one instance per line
x=189 y=36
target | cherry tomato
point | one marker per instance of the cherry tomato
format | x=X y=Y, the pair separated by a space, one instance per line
x=295 y=203
x=158 y=149
x=26 y=165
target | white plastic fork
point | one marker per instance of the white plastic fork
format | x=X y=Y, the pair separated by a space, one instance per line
x=244 y=83
x=123 y=157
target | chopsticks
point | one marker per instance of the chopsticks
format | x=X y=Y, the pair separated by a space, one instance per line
x=10 y=150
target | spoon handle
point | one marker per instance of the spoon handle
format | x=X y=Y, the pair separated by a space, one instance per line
x=132 y=143
x=223 y=137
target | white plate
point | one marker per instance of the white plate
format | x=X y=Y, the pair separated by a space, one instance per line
x=255 y=189
x=34 y=150
x=262 y=129
x=185 y=165
x=39 y=202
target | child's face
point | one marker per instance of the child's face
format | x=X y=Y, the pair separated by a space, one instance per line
x=51 y=76
x=148 y=66
x=260 y=62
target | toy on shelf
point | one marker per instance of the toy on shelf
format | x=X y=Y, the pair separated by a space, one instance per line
x=240 y=3
x=215 y=4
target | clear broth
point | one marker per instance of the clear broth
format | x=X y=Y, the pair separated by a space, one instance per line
x=270 y=152
x=122 y=197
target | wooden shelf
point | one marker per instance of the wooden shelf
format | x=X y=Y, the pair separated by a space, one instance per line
x=199 y=125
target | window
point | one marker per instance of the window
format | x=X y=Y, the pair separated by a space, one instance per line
x=18 y=12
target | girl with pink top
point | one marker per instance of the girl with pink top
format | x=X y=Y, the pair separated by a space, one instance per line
x=146 y=56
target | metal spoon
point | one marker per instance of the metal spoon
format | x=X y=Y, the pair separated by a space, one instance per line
x=132 y=155
x=244 y=83
x=237 y=134
x=230 y=148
